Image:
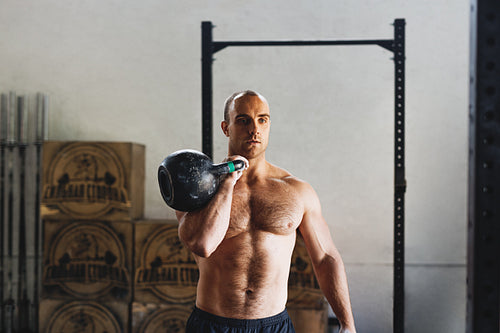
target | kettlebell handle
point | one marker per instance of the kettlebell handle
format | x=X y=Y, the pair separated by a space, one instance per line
x=228 y=167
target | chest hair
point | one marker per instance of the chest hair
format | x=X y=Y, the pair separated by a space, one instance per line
x=273 y=208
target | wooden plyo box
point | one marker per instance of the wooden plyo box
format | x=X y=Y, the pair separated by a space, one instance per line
x=303 y=288
x=309 y=320
x=306 y=304
x=153 y=318
x=58 y=316
x=90 y=260
x=165 y=270
x=93 y=180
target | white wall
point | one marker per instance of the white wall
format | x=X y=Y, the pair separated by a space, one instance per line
x=130 y=71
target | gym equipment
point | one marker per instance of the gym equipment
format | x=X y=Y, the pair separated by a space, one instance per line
x=397 y=47
x=22 y=284
x=188 y=179
x=483 y=264
x=19 y=207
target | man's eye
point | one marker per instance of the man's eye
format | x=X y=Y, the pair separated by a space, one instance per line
x=263 y=120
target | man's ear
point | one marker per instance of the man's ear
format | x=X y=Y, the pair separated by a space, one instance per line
x=224 y=125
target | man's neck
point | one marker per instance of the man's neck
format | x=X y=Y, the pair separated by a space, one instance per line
x=258 y=167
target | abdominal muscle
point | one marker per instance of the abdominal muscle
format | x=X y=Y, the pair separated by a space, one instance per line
x=247 y=276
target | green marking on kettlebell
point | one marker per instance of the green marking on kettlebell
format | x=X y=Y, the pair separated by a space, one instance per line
x=231 y=166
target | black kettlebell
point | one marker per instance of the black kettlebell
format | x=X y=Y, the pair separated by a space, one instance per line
x=188 y=179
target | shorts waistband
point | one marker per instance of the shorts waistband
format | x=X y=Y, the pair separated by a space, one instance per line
x=243 y=323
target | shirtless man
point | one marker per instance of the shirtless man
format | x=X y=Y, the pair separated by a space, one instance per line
x=243 y=239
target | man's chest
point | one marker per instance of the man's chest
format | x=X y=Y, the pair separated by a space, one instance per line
x=274 y=208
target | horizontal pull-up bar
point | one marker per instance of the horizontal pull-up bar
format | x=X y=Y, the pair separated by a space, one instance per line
x=385 y=43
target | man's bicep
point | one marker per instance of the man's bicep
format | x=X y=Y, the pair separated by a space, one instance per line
x=315 y=231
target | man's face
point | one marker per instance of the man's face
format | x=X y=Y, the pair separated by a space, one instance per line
x=248 y=126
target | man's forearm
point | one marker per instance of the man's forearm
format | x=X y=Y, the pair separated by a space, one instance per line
x=202 y=231
x=333 y=282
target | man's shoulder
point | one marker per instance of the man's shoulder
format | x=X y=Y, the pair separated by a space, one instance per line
x=293 y=181
x=304 y=191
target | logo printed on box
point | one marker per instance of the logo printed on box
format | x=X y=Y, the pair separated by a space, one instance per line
x=167 y=267
x=86 y=260
x=303 y=288
x=172 y=320
x=86 y=181
x=83 y=317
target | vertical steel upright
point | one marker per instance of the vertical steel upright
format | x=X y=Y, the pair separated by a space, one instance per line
x=206 y=89
x=3 y=143
x=399 y=175
x=40 y=121
x=483 y=266
x=10 y=304
x=23 y=311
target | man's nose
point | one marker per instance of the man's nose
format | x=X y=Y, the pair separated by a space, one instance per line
x=253 y=128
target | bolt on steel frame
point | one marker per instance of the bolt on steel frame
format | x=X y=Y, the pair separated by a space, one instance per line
x=395 y=45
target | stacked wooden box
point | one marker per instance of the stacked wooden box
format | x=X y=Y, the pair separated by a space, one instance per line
x=165 y=280
x=92 y=194
x=106 y=268
x=306 y=304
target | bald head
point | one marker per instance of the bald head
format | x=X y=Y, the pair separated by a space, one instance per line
x=231 y=99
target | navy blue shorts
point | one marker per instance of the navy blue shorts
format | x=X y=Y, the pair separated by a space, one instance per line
x=204 y=322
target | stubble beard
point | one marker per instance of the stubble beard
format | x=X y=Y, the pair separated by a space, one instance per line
x=249 y=153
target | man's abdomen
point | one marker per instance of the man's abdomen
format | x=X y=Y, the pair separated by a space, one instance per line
x=247 y=276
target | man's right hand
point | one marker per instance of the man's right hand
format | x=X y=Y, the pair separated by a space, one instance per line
x=234 y=176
